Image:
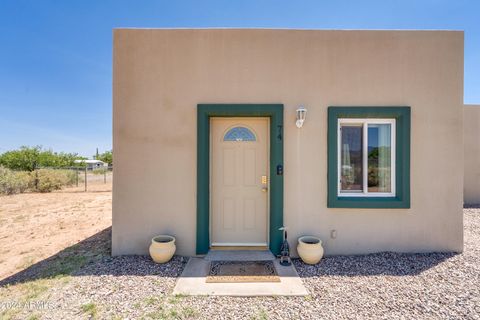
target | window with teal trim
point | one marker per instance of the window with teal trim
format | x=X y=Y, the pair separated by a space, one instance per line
x=369 y=157
x=239 y=134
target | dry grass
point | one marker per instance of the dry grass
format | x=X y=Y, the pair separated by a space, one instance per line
x=44 y=231
x=34 y=226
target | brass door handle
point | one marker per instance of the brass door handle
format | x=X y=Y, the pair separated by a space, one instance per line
x=264 y=189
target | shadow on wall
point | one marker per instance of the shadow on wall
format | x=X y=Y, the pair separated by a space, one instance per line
x=92 y=256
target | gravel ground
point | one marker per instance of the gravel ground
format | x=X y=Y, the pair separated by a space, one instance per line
x=376 y=286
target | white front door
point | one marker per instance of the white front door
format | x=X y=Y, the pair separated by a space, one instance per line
x=239 y=181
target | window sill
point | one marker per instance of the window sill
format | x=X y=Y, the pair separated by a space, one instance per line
x=368 y=202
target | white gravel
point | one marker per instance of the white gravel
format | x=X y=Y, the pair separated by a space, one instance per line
x=376 y=286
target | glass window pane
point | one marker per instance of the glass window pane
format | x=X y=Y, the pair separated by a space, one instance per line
x=351 y=158
x=239 y=134
x=379 y=158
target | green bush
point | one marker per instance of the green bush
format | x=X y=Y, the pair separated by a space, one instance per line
x=12 y=182
x=106 y=157
x=30 y=158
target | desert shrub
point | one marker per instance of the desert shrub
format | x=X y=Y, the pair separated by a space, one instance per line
x=7 y=181
x=25 y=181
x=48 y=180
x=12 y=182
x=43 y=180
x=100 y=171
x=70 y=177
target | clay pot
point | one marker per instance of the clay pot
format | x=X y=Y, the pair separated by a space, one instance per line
x=162 y=248
x=310 y=249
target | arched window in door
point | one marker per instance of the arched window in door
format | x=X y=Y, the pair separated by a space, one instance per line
x=239 y=133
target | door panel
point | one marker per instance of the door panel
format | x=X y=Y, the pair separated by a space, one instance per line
x=239 y=159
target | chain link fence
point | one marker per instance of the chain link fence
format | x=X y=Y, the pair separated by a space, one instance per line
x=47 y=179
x=92 y=176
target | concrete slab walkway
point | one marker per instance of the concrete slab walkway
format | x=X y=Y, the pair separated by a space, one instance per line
x=193 y=282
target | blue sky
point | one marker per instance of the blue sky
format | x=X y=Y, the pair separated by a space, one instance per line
x=56 y=56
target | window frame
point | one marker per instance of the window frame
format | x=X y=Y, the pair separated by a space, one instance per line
x=402 y=115
x=365 y=122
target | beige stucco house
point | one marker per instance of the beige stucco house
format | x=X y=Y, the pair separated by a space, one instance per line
x=471 y=129
x=229 y=154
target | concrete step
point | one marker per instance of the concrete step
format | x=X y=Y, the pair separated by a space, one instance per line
x=193 y=282
x=239 y=255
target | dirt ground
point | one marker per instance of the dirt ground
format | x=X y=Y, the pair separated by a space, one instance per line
x=34 y=226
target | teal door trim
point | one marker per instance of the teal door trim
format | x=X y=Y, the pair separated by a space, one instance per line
x=275 y=113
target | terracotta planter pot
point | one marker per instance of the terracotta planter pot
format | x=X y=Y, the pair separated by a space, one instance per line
x=162 y=248
x=310 y=249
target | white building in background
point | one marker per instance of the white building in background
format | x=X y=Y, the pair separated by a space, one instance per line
x=93 y=164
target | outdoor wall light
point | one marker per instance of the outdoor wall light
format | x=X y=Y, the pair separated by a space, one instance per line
x=301 y=114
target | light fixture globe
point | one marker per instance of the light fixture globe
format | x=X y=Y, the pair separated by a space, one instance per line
x=301 y=114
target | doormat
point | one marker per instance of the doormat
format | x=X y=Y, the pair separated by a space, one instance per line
x=242 y=271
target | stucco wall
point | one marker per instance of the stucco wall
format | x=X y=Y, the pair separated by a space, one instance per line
x=471 y=138
x=161 y=75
